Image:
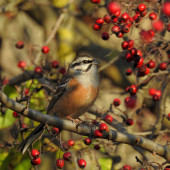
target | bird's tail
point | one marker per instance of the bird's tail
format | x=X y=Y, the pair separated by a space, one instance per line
x=37 y=132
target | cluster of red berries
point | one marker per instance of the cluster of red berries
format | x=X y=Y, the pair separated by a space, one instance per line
x=156 y=94
x=102 y=128
x=36 y=159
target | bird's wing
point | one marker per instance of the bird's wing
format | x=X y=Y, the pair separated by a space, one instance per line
x=59 y=92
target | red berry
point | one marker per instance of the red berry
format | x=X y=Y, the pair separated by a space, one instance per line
x=105 y=36
x=152 y=91
x=36 y=161
x=116 y=102
x=26 y=91
x=130 y=102
x=158 y=25
x=133 y=51
x=71 y=142
x=60 y=163
x=55 y=64
x=127 y=167
x=151 y=64
x=126 y=28
x=128 y=72
x=95 y=1
x=96 y=27
x=114 y=8
x=139 y=53
x=125 y=17
x=163 y=66
x=67 y=156
x=168 y=28
x=167 y=168
x=142 y=14
x=35 y=153
x=157 y=95
x=143 y=70
x=129 y=57
x=152 y=16
x=166 y=8
x=129 y=122
x=82 y=163
x=114 y=19
x=103 y=127
x=99 y=21
x=15 y=114
x=136 y=18
x=45 y=49
x=21 y=64
x=38 y=70
x=125 y=45
x=139 y=63
x=19 y=45
x=133 y=89
x=141 y=7
x=119 y=34
x=97 y=147
x=108 y=118
x=147 y=36
x=130 y=43
x=115 y=29
x=97 y=133
x=107 y=18
x=168 y=116
x=55 y=130
x=62 y=70
x=87 y=141
x=24 y=126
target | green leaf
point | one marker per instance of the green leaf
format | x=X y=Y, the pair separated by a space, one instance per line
x=10 y=91
x=105 y=163
x=25 y=164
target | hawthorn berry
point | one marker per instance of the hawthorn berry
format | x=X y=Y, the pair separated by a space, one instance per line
x=168 y=28
x=133 y=51
x=126 y=28
x=168 y=116
x=15 y=114
x=127 y=167
x=108 y=118
x=114 y=8
x=97 y=147
x=103 y=127
x=141 y=7
x=71 y=142
x=124 y=17
x=147 y=36
x=158 y=25
x=129 y=122
x=128 y=72
x=151 y=64
x=45 y=49
x=119 y=34
x=166 y=8
x=55 y=130
x=99 y=21
x=21 y=64
x=95 y=1
x=107 y=18
x=116 y=102
x=19 y=45
x=36 y=161
x=82 y=163
x=55 y=64
x=35 y=153
x=133 y=89
x=96 y=27
x=143 y=70
x=152 y=16
x=129 y=57
x=67 y=156
x=115 y=29
x=26 y=91
x=62 y=70
x=87 y=141
x=60 y=163
x=130 y=102
x=125 y=45
x=130 y=43
x=97 y=133
x=163 y=66
x=24 y=126
x=140 y=62
x=157 y=95
x=114 y=19
x=38 y=70
x=105 y=36
x=152 y=91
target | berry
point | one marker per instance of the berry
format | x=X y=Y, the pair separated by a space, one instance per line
x=128 y=72
x=139 y=53
x=99 y=21
x=147 y=36
x=127 y=167
x=158 y=25
x=130 y=102
x=96 y=27
x=55 y=64
x=125 y=45
x=67 y=156
x=152 y=91
x=26 y=91
x=71 y=142
x=60 y=163
x=105 y=36
x=97 y=133
x=35 y=153
x=95 y=1
x=168 y=28
x=19 y=45
x=24 y=126
x=15 y=114
x=119 y=34
x=129 y=57
x=166 y=8
x=103 y=127
x=168 y=116
x=125 y=17
x=141 y=7
x=114 y=8
x=87 y=141
x=108 y=118
x=36 y=161
x=97 y=147
x=38 y=70
x=133 y=51
x=136 y=18
x=115 y=29
x=21 y=64
x=143 y=70
x=62 y=70
x=151 y=64
x=139 y=63
x=163 y=66
x=107 y=18
x=82 y=163
x=126 y=28
x=130 y=43
x=129 y=122
x=55 y=130
x=152 y=16
x=133 y=89
x=116 y=102
x=157 y=95
x=45 y=49
x=114 y=19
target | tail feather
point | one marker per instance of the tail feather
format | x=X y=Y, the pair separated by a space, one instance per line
x=31 y=138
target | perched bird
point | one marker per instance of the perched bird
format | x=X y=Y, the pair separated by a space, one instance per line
x=76 y=93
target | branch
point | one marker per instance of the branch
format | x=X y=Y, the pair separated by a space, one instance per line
x=112 y=135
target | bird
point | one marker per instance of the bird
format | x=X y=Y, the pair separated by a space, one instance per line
x=75 y=94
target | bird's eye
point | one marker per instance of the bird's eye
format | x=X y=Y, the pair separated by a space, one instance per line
x=86 y=61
